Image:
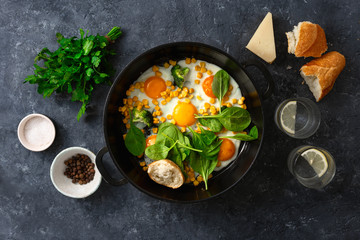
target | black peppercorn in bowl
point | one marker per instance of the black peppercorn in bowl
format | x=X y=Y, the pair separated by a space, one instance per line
x=114 y=128
x=74 y=173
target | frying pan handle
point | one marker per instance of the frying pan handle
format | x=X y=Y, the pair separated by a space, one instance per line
x=104 y=172
x=270 y=82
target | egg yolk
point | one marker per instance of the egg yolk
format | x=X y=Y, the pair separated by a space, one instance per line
x=150 y=140
x=153 y=86
x=183 y=114
x=207 y=86
x=227 y=150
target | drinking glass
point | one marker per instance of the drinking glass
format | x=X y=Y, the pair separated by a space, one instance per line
x=298 y=117
x=313 y=167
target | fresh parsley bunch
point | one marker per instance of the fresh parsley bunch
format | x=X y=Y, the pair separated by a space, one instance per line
x=76 y=67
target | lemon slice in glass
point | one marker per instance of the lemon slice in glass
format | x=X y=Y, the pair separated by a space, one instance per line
x=317 y=160
x=288 y=117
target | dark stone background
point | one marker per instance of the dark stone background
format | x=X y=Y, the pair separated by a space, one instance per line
x=268 y=203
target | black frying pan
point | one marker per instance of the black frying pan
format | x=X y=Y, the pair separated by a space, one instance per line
x=114 y=129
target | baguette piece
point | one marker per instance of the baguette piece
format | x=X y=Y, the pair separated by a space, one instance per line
x=320 y=74
x=167 y=173
x=307 y=40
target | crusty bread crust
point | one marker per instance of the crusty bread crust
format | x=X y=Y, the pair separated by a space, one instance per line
x=319 y=46
x=310 y=40
x=171 y=166
x=307 y=37
x=326 y=69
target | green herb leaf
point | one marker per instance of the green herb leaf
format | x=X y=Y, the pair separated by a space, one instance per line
x=158 y=151
x=212 y=123
x=135 y=140
x=253 y=135
x=232 y=118
x=220 y=84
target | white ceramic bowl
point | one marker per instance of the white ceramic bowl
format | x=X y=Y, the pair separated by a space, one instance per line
x=36 y=132
x=64 y=184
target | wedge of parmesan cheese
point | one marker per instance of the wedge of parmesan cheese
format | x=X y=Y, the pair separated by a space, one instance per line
x=262 y=42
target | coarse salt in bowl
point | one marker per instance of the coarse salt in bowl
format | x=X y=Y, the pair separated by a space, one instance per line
x=64 y=184
x=36 y=132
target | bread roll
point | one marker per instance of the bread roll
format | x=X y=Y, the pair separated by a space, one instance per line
x=307 y=40
x=320 y=74
x=166 y=172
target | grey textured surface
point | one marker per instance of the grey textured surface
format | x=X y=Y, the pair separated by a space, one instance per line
x=266 y=204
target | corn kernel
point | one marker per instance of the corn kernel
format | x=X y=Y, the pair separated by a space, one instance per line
x=124 y=136
x=142 y=164
x=243 y=98
x=203 y=70
x=128 y=93
x=187 y=100
x=142 y=90
x=155 y=130
x=124 y=101
x=142 y=84
x=178 y=90
x=234 y=100
x=164 y=93
x=145 y=168
x=231 y=87
x=159 y=113
x=139 y=107
x=155 y=68
x=218 y=164
x=173 y=121
x=125 y=121
x=210 y=176
x=183 y=129
x=199 y=178
x=197 y=81
x=201 y=111
x=188 y=60
x=181 y=96
x=228 y=104
x=135 y=98
x=164 y=102
x=158 y=73
x=128 y=125
x=212 y=100
x=197 y=68
x=130 y=102
x=212 y=109
x=206 y=105
x=185 y=89
x=166 y=65
x=172 y=87
x=157 y=108
x=191 y=90
x=176 y=93
x=154 y=114
x=191 y=96
x=205 y=114
x=198 y=97
x=244 y=106
x=199 y=75
x=137 y=85
x=162 y=119
x=173 y=63
x=169 y=116
x=192 y=179
x=155 y=102
x=193 y=60
x=202 y=64
x=168 y=83
x=209 y=72
x=240 y=102
x=195 y=183
x=226 y=98
x=155 y=120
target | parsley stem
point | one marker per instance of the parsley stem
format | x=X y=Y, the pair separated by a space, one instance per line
x=114 y=33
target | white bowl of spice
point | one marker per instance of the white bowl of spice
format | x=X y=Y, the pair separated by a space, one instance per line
x=36 y=132
x=74 y=173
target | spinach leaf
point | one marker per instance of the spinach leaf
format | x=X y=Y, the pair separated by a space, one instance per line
x=135 y=140
x=253 y=135
x=158 y=151
x=202 y=165
x=220 y=84
x=212 y=123
x=232 y=118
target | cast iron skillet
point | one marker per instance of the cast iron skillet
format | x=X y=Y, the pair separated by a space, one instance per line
x=114 y=129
